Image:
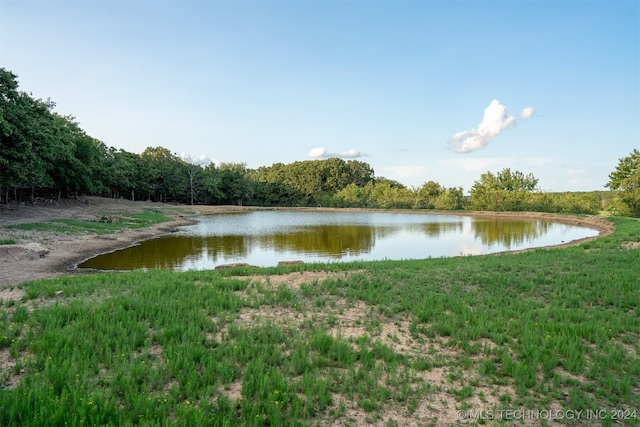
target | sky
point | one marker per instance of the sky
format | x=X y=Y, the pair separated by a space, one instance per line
x=429 y=90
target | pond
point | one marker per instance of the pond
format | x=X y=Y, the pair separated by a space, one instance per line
x=264 y=238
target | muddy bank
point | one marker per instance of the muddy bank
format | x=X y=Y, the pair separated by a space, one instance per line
x=59 y=253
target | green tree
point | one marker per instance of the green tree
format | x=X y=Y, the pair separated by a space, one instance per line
x=28 y=141
x=171 y=178
x=43 y=150
x=450 y=199
x=14 y=148
x=389 y=194
x=361 y=173
x=79 y=161
x=310 y=182
x=334 y=174
x=516 y=180
x=211 y=183
x=145 y=178
x=625 y=180
x=354 y=196
x=122 y=169
x=505 y=191
x=236 y=188
x=427 y=194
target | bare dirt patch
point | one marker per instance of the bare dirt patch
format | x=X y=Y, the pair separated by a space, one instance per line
x=294 y=280
x=8 y=378
x=233 y=392
x=11 y=294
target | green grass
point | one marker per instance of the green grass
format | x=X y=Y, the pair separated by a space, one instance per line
x=110 y=222
x=7 y=242
x=390 y=343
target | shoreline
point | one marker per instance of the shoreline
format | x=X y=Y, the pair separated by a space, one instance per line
x=66 y=251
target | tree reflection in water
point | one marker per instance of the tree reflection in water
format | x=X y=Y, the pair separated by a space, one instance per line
x=508 y=233
x=265 y=237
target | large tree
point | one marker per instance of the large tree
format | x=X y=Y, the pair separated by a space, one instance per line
x=504 y=191
x=42 y=150
x=211 y=183
x=236 y=188
x=427 y=195
x=32 y=143
x=120 y=167
x=625 y=180
x=79 y=161
x=172 y=180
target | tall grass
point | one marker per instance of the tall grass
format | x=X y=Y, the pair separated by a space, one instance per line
x=378 y=342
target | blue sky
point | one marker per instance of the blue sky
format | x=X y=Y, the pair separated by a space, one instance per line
x=420 y=90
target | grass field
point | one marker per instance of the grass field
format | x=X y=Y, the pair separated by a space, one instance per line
x=385 y=343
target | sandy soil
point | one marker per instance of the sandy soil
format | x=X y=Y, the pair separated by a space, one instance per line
x=39 y=255
x=64 y=251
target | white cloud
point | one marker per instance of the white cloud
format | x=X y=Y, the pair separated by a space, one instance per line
x=351 y=154
x=322 y=153
x=495 y=120
x=202 y=160
x=527 y=113
x=318 y=153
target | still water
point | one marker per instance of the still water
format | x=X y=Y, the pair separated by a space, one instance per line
x=264 y=238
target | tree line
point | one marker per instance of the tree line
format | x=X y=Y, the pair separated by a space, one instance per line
x=47 y=155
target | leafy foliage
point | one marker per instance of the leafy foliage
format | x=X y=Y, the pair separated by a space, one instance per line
x=505 y=191
x=311 y=182
x=625 y=179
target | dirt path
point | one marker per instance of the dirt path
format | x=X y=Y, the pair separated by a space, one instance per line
x=62 y=252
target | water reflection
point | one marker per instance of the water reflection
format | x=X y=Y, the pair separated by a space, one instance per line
x=510 y=233
x=264 y=238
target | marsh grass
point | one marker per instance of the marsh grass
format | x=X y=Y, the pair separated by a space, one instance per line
x=108 y=223
x=389 y=343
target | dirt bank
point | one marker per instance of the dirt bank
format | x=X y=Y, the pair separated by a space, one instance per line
x=64 y=251
x=61 y=252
